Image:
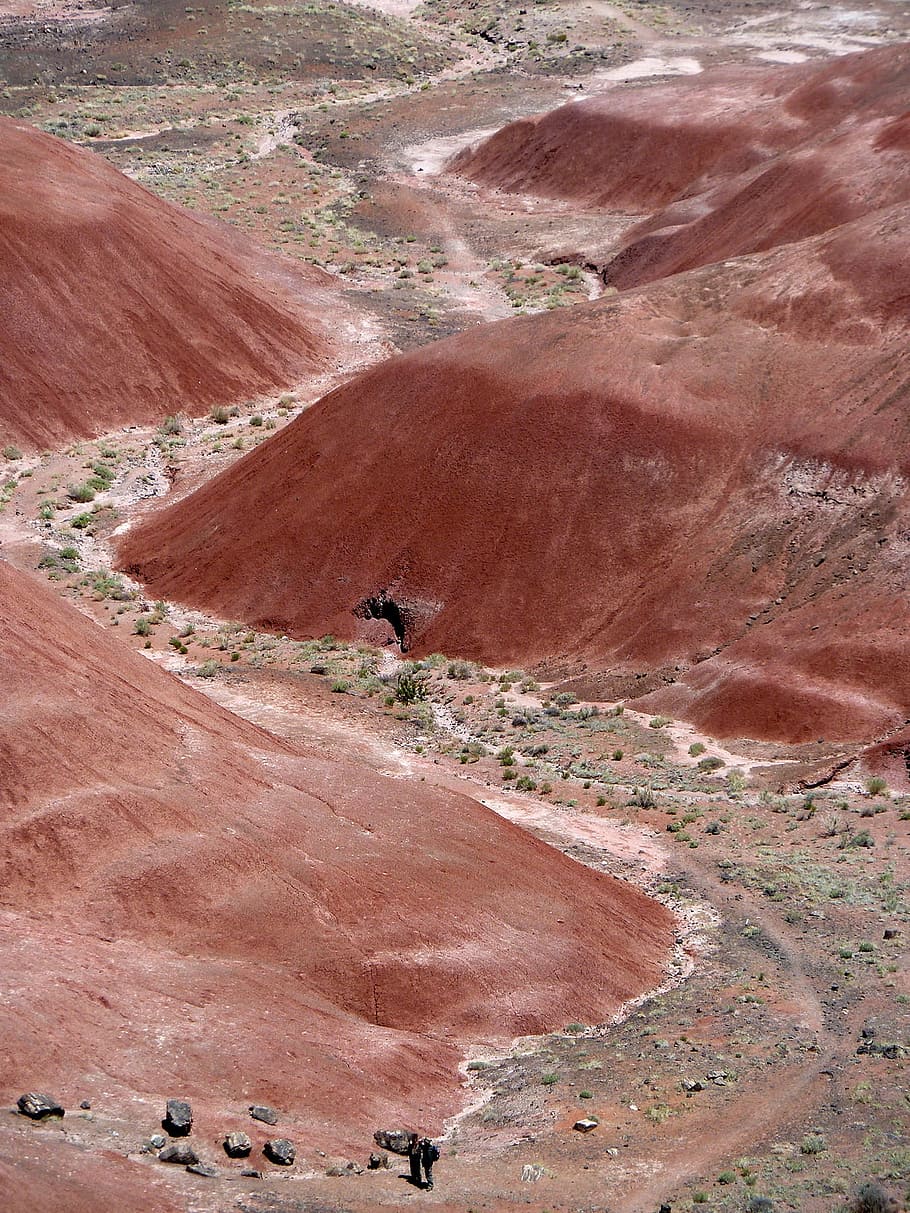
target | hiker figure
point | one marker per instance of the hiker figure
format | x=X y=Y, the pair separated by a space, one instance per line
x=414 y=1158
x=429 y=1153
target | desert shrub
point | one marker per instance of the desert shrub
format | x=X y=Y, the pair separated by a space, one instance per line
x=549 y=1080
x=11 y=452
x=220 y=415
x=712 y=763
x=143 y=626
x=208 y=669
x=565 y=698
x=256 y=419
x=862 y=838
x=81 y=493
x=696 y=748
x=643 y=797
x=459 y=670
x=340 y=686
x=727 y=1177
x=875 y=785
x=658 y=722
x=524 y=783
x=813 y=1143
x=871 y=1198
x=617 y=755
x=170 y=426
x=760 y=1204
x=410 y=687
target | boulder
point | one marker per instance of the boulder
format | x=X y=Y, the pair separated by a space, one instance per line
x=179 y=1152
x=156 y=1141
x=262 y=1112
x=280 y=1151
x=585 y=1126
x=39 y=1107
x=378 y=1162
x=237 y=1145
x=396 y=1140
x=178 y=1118
x=250 y=1173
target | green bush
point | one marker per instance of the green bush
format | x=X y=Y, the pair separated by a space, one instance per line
x=81 y=493
x=11 y=452
x=696 y=748
x=410 y=687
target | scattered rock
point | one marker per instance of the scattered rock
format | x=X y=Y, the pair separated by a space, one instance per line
x=178 y=1119
x=396 y=1140
x=612 y=1151
x=353 y=1168
x=279 y=1151
x=39 y=1107
x=179 y=1152
x=237 y=1145
x=251 y=1173
x=378 y=1162
x=262 y=1112
x=531 y=1172
x=85 y=1105
x=891 y=933
x=156 y=1141
x=585 y=1125
x=692 y=1086
x=201 y=1168
x=891 y=1050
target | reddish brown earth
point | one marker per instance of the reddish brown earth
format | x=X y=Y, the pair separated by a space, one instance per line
x=193 y=907
x=121 y=308
x=701 y=483
x=736 y=161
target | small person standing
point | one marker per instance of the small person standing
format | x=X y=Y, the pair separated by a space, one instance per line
x=429 y=1153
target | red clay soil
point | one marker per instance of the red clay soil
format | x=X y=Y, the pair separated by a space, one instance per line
x=735 y=161
x=697 y=487
x=119 y=308
x=189 y=906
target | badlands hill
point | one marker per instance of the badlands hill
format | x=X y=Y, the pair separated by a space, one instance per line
x=119 y=308
x=738 y=160
x=698 y=486
x=191 y=907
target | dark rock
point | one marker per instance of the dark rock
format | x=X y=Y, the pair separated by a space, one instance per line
x=251 y=1173
x=267 y=1115
x=317 y=669
x=692 y=1086
x=179 y=1152
x=891 y=933
x=891 y=1050
x=237 y=1145
x=39 y=1107
x=378 y=1162
x=202 y=1168
x=279 y=1151
x=85 y=1105
x=396 y=1140
x=178 y=1119
x=585 y=1126
x=354 y=1168
x=157 y=1140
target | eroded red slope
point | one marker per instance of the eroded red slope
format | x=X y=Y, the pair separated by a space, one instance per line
x=189 y=906
x=121 y=308
x=701 y=483
x=735 y=161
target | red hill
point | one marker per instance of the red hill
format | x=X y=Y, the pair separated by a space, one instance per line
x=696 y=489
x=190 y=906
x=120 y=308
x=738 y=160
